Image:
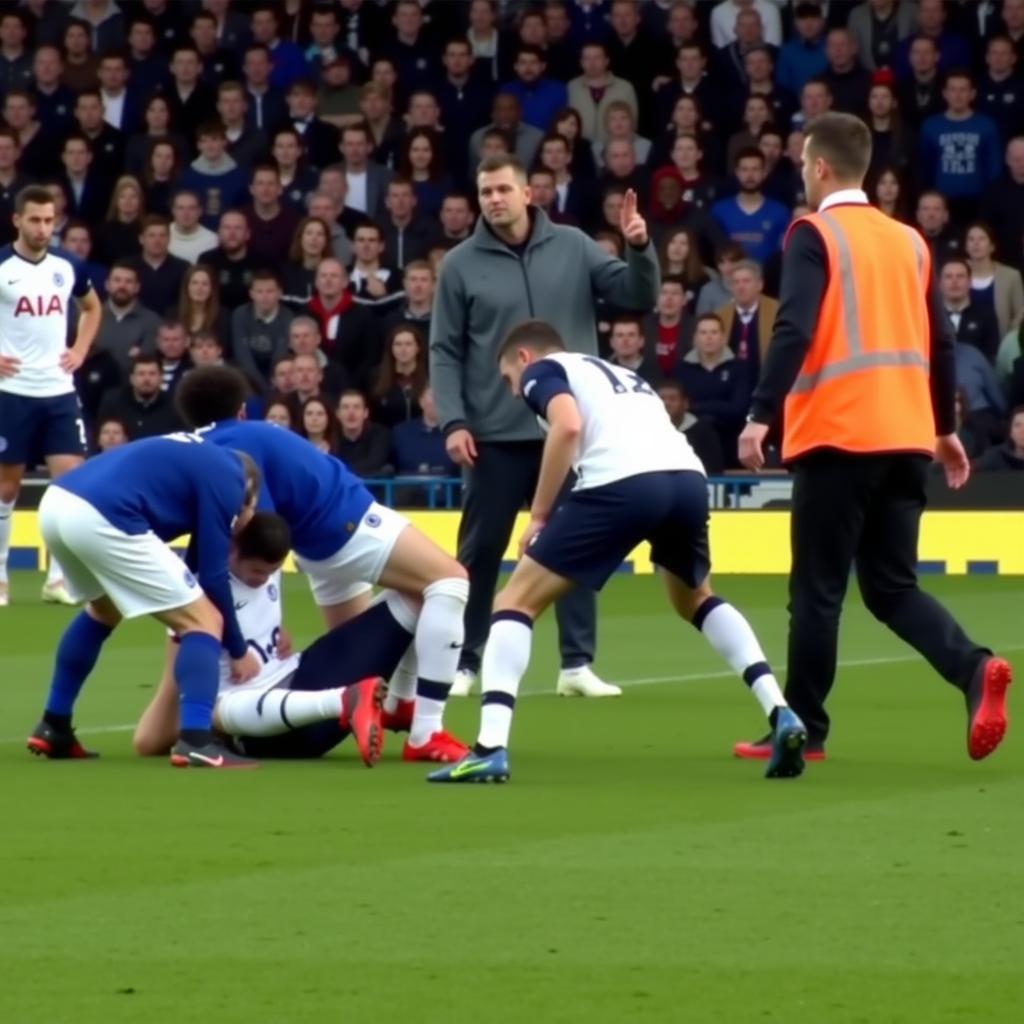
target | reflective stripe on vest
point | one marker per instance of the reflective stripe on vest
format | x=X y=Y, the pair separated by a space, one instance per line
x=857 y=359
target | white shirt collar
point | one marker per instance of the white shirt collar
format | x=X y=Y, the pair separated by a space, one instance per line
x=844 y=195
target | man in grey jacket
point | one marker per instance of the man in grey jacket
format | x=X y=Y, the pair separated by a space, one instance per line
x=515 y=266
x=259 y=330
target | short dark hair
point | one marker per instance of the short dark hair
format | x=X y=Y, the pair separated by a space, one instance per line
x=959 y=260
x=712 y=317
x=209 y=394
x=368 y=225
x=153 y=220
x=145 y=359
x=843 y=141
x=499 y=162
x=674 y=279
x=630 y=319
x=265 y=168
x=529 y=50
x=266 y=536
x=32 y=194
x=306 y=85
x=748 y=153
x=359 y=126
x=266 y=274
x=536 y=335
x=354 y=393
x=211 y=130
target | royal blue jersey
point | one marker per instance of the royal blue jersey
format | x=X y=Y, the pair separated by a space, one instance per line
x=320 y=498
x=171 y=486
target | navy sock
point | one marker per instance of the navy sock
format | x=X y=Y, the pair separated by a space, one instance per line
x=197 y=669
x=77 y=653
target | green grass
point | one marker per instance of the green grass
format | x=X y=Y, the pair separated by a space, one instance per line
x=632 y=871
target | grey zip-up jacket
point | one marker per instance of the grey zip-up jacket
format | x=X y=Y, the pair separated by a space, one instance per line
x=485 y=289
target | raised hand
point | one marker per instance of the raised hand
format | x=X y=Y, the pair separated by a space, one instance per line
x=632 y=225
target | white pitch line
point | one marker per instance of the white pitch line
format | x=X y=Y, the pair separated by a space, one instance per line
x=692 y=677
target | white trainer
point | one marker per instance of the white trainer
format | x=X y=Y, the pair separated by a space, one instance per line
x=583 y=682
x=465 y=683
x=5 y=595
x=57 y=593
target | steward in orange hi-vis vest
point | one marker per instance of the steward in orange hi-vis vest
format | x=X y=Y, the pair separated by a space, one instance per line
x=862 y=364
x=864 y=383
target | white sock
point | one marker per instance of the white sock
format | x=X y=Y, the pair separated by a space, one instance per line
x=730 y=635
x=402 y=685
x=54 y=573
x=273 y=712
x=437 y=645
x=506 y=658
x=6 y=523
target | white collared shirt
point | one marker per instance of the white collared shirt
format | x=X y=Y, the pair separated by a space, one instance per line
x=844 y=196
x=113 y=108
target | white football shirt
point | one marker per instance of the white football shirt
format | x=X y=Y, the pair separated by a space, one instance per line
x=34 y=300
x=258 y=610
x=626 y=430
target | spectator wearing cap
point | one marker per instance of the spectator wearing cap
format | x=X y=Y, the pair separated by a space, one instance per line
x=337 y=96
x=878 y=27
x=592 y=92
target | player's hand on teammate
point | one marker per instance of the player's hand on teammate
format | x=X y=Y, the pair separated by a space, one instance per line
x=751 y=445
x=530 y=533
x=71 y=359
x=245 y=668
x=461 y=447
x=9 y=366
x=632 y=225
x=950 y=453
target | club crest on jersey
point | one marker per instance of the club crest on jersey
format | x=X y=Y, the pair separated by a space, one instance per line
x=58 y=278
x=39 y=306
x=272 y=591
x=190 y=580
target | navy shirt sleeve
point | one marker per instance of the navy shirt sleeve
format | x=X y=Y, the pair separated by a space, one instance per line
x=540 y=383
x=219 y=502
x=83 y=283
x=804 y=280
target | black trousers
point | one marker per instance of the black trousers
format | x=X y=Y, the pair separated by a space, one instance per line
x=497 y=488
x=863 y=511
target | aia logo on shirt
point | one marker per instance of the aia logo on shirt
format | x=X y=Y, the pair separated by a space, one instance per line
x=40 y=305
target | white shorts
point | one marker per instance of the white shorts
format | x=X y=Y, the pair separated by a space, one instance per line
x=351 y=570
x=138 y=572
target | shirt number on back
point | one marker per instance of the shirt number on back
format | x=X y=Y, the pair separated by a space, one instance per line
x=640 y=386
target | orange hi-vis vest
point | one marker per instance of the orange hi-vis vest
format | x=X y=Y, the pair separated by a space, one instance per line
x=864 y=385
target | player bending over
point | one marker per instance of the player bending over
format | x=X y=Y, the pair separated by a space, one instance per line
x=344 y=540
x=301 y=705
x=39 y=410
x=109 y=522
x=637 y=479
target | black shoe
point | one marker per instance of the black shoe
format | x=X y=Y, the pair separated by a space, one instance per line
x=56 y=744
x=208 y=755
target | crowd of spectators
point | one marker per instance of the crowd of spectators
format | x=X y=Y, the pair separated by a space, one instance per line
x=276 y=185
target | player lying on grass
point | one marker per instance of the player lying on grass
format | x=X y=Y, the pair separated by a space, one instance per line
x=344 y=540
x=637 y=480
x=300 y=705
x=108 y=522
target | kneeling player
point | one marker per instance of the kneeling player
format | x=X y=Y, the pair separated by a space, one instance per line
x=301 y=705
x=637 y=480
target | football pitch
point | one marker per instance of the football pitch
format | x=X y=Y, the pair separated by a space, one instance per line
x=632 y=871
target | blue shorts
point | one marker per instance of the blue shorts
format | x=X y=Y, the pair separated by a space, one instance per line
x=33 y=428
x=594 y=530
x=370 y=645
